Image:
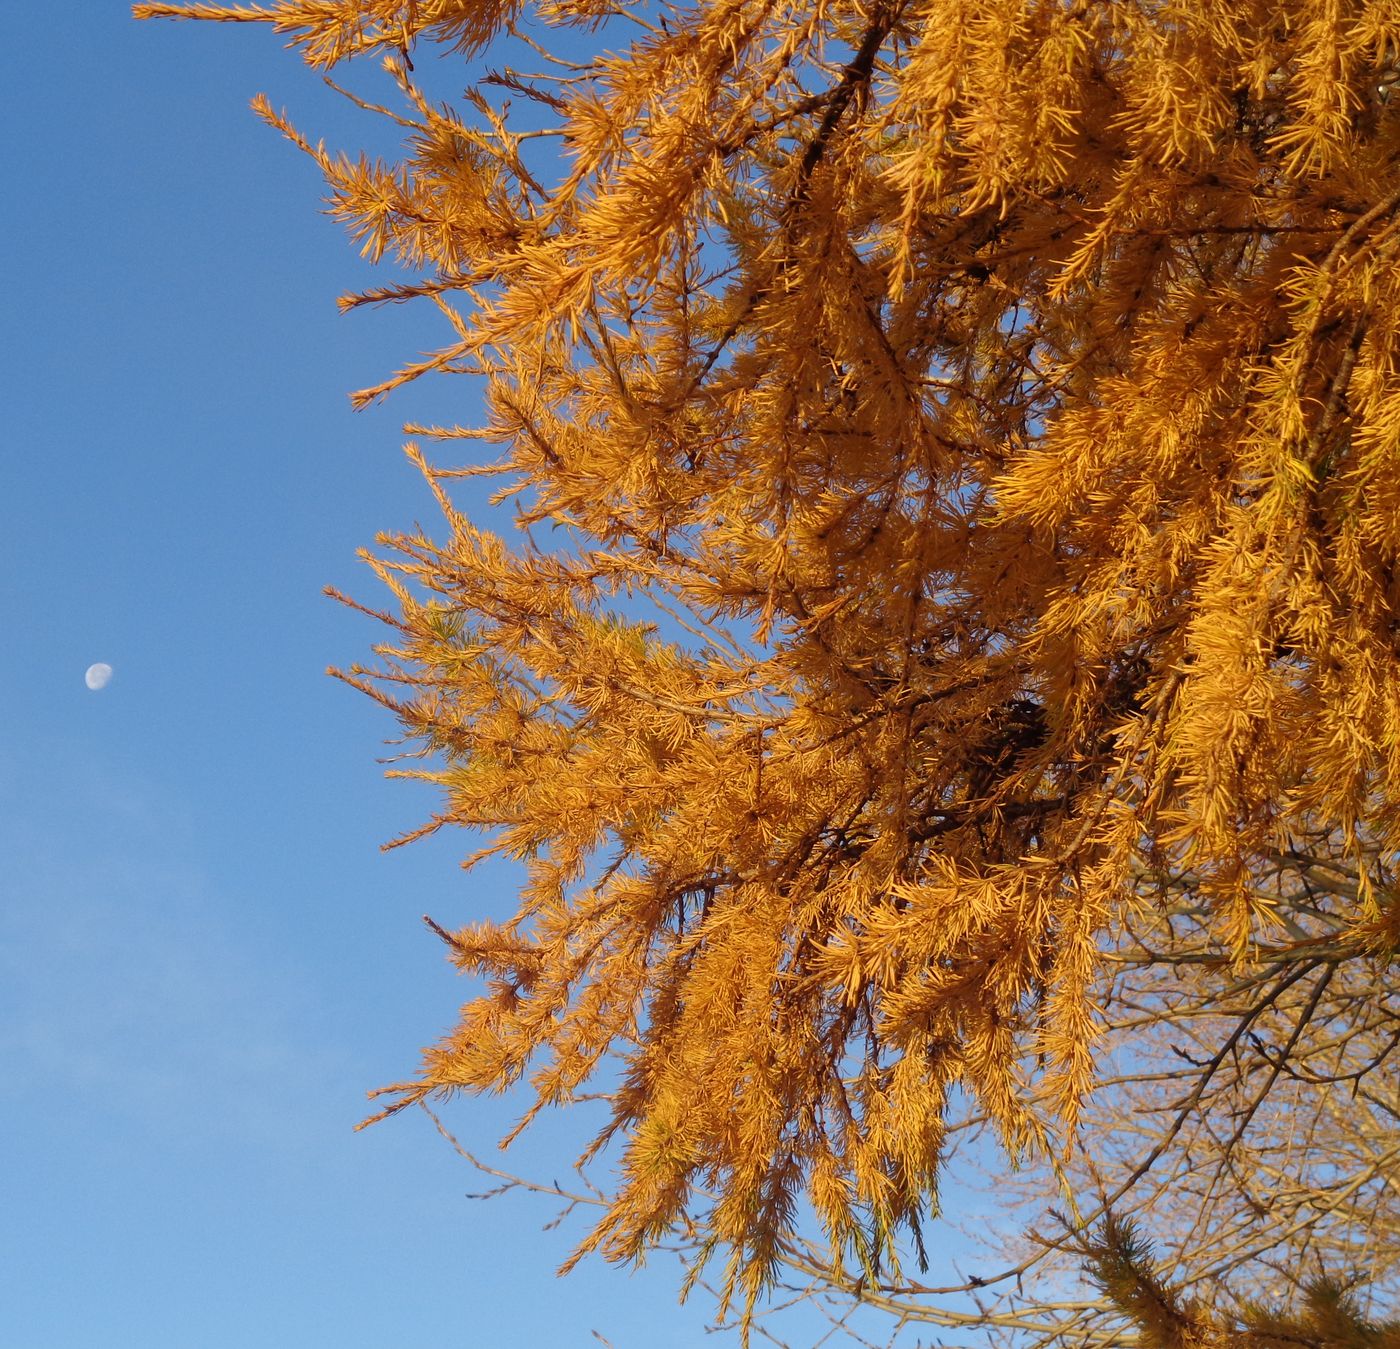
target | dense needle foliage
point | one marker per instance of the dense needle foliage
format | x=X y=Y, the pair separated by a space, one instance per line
x=970 y=432
x=1329 y=1317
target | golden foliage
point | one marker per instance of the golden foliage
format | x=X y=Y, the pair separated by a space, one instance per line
x=971 y=433
x=1329 y=1317
x=1245 y=1116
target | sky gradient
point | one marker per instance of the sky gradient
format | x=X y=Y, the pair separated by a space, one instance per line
x=205 y=958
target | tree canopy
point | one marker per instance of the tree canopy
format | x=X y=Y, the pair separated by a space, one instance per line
x=956 y=449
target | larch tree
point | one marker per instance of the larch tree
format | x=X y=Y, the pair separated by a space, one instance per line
x=952 y=629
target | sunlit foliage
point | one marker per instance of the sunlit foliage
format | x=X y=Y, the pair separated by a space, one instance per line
x=957 y=453
x=1329 y=1316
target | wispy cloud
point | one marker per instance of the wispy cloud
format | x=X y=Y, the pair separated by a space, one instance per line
x=128 y=982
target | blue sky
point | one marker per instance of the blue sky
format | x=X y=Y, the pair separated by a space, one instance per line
x=205 y=960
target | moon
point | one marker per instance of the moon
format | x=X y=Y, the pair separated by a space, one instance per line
x=97 y=676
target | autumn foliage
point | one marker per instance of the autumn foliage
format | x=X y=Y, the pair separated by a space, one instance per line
x=956 y=447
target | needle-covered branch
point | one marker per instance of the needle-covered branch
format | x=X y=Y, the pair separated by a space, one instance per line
x=967 y=434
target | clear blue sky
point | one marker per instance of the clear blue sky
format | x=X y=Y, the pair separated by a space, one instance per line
x=205 y=960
